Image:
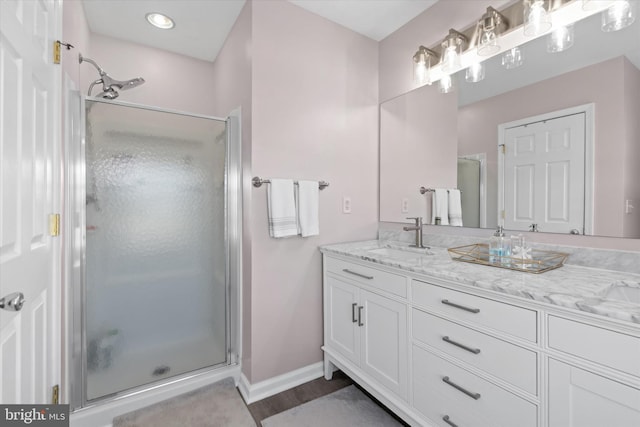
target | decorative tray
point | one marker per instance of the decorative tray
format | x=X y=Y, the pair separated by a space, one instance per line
x=539 y=262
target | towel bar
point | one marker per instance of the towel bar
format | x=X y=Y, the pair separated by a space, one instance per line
x=424 y=190
x=257 y=182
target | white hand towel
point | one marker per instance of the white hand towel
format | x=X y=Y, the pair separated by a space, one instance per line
x=281 y=208
x=455 y=208
x=308 y=204
x=440 y=207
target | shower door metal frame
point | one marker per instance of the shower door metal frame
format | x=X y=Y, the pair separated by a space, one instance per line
x=76 y=344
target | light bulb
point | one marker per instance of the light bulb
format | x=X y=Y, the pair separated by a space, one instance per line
x=560 y=39
x=488 y=44
x=619 y=15
x=446 y=84
x=475 y=72
x=420 y=73
x=450 y=60
x=536 y=19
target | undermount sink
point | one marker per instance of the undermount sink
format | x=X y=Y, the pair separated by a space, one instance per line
x=624 y=293
x=403 y=254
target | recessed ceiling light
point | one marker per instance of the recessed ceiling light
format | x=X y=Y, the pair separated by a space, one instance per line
x=159 y=20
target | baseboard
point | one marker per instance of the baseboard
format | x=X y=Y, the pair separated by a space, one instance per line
x=253 y=392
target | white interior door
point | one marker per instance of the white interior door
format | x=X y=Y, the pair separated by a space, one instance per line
x=544 y=175
x=29 y=152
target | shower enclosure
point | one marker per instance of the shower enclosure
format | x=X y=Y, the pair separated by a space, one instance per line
x=153 y=302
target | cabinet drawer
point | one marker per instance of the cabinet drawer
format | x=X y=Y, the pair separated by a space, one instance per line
x=379 y=279
x=503 y=317
x=491 y=406
x=509 y=362
x=613 y=349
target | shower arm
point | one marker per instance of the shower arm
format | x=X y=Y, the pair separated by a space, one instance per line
x=82 y=59
x=92 y=85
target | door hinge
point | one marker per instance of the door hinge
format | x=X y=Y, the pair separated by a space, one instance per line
x=502 y=214
x=57 y=46
x=504 y=148
x=56 y=52
x=54 y=225
x=55 y=395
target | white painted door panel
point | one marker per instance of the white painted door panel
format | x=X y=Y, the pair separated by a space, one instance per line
x=544 y=166
x=578 y=398
x=29 y=154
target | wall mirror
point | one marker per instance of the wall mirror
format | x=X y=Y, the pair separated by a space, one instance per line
x=431 y=139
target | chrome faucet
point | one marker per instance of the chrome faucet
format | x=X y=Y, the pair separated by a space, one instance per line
x=418 y=230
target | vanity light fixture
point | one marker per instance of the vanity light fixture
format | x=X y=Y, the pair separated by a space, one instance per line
x=160 y=20
x=560 y=39
x=490 y=27
x=475 y=72
x=619 y=15
x=422 y=65
x=452 y=48
x=537 y=20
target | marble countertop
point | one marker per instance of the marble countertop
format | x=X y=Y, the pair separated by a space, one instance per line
x=574 y=287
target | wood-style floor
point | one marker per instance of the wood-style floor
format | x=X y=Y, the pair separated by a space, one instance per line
x=301 y=394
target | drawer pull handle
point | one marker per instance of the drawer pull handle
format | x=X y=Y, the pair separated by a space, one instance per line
x=360 y=316
x=364 y=276
x=353 y=312
x=461 y=307
x=462 y=346
x=475 y=396
x=447 y=420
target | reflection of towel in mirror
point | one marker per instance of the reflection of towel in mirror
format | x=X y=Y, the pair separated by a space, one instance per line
x=308 y=201
x=455 y=208
x=281 y=208
x=440 y=207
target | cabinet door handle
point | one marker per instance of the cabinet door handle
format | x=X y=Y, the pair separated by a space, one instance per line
x=364 y=276
x=360 y=316
x=462 y=346
x=475 y=396
x=447 y=420
x=461 y=307
x=353 y=312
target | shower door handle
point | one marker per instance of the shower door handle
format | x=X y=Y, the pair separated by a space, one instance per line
x=12 y=302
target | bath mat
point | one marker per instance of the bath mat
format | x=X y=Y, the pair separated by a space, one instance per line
x=217 y=405
x=348 y=407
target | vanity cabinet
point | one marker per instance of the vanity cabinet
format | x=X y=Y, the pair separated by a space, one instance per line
x=366 y=329
x=439 y=353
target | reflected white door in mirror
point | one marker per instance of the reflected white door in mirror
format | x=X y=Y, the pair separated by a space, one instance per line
x=545 y=169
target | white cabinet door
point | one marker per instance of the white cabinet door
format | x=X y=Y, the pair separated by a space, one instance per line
x=341 y=318
x=384 y=341
x=578 y=398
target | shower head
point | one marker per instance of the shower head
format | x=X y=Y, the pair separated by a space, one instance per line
x=110 y=86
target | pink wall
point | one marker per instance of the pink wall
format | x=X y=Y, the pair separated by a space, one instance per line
x=315 y=116
x=428 y=29
x=75 y=31
x=231 y=82
x=173 y=81
x=631 y=220
x=479 y=122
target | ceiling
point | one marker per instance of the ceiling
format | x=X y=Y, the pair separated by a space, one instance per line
x=202 y=26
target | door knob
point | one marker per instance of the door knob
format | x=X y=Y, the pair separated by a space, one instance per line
x=12 y=302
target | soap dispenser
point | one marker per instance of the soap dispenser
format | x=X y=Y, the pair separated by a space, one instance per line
x=499 y=247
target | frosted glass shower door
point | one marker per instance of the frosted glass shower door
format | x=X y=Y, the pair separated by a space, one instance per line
x=155 y=265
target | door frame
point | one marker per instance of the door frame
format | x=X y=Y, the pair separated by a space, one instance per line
x=589 y=146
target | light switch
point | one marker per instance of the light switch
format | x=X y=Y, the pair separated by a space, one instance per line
x=405 y=206
x=346 y=205
x=628 y=206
